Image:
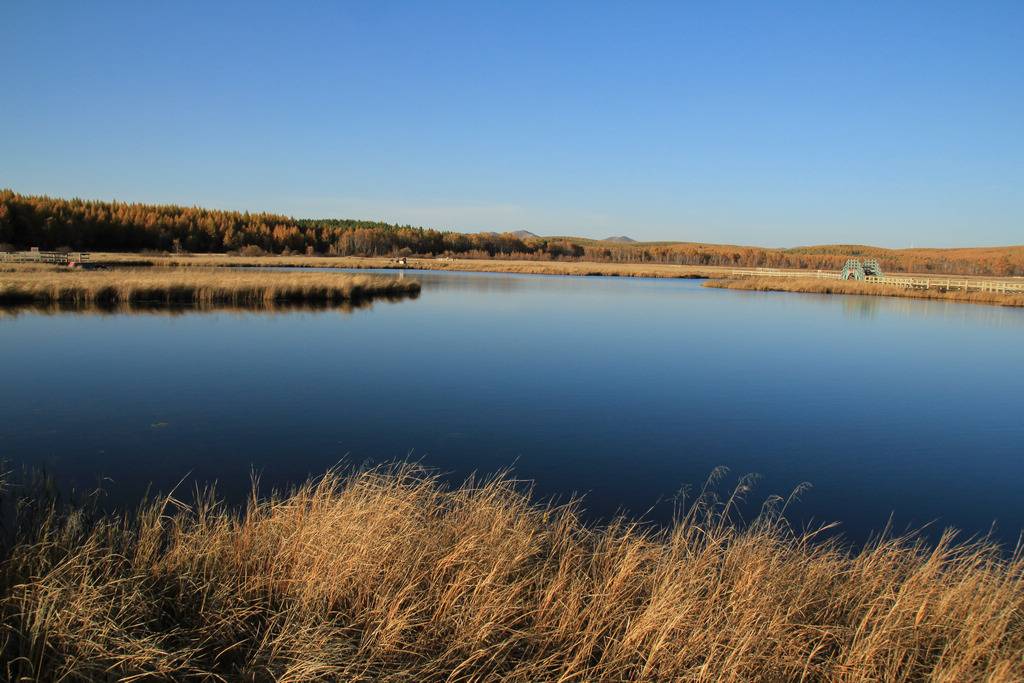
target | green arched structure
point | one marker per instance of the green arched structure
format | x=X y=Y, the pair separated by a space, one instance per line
x=854 y=269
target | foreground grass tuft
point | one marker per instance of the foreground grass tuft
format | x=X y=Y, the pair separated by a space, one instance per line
x=387 y=575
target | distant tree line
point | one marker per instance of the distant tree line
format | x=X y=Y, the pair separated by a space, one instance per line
x=82 y=225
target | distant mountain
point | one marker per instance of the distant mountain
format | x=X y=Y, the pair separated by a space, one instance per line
x=620 y=238
x=521 y=234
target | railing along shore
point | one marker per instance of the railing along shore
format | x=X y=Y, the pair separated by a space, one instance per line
x=1015 y=286
x=44 y=257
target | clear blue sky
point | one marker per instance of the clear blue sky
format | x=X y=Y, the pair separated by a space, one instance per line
x=764 y=123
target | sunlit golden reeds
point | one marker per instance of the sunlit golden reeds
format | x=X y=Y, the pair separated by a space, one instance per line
x=197 y=286
x=822 y=286
x=386 y=574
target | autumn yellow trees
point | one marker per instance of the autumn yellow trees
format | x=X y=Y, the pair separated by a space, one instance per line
x=80 y=225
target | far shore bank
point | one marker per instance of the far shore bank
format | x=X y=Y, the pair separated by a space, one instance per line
x=716 y=276
x=576 y=268
x=164 y=265
x=812 y=285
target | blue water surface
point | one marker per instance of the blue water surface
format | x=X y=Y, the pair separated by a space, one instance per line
x=620 y=390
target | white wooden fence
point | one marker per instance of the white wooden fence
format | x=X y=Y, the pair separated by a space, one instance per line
x=43 y=257
x=1014 y=286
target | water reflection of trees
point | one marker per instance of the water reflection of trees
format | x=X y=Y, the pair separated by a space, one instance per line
x=173 y=310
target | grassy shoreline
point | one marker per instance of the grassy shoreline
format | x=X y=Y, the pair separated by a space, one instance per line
x=716 y=276
x=575 y=268
x=853 y=287
x=386 y=574
x=192 y=286
x=222 y=280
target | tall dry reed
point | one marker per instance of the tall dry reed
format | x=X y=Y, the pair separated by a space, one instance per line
x=231 y=286
x=387 y=575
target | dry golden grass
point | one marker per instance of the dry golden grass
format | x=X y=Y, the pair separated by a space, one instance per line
x=663 y=270
x=578 y=268
x=386 y=575
x=818 y=286
x=232 y=286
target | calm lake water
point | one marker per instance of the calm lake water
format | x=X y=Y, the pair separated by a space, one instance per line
x=623 y=390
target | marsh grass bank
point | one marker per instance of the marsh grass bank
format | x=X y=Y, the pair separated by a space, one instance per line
x=195 y=286
x=716 y=276
x=816 y=286
x=387 y=575
x=469 y=265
